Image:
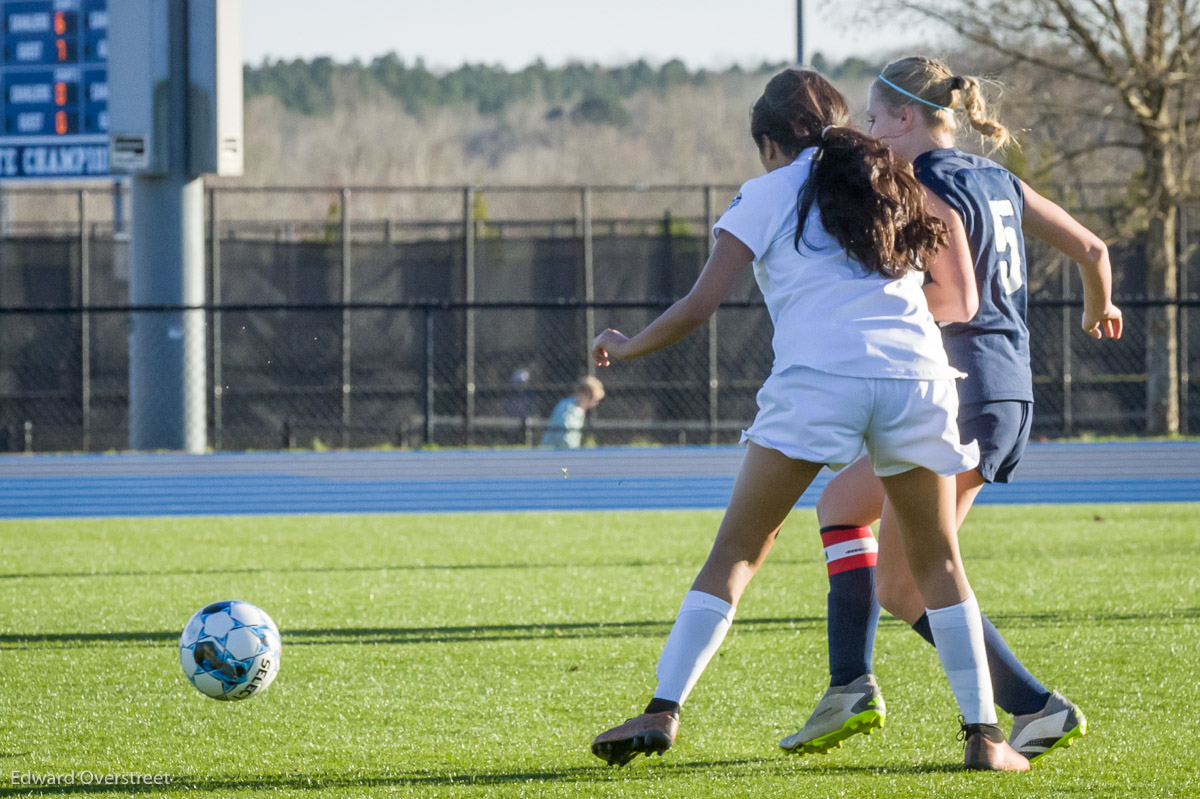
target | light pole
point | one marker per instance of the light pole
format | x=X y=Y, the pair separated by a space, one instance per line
x=802 y=54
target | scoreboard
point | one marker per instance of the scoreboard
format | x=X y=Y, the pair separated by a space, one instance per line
x=53 y=89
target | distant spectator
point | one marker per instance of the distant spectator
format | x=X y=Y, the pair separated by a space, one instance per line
x=520 y=403
x=565 y=430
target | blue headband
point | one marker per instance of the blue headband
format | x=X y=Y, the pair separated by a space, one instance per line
x=907 y=93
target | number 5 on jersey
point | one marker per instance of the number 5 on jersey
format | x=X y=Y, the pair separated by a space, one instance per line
x=1007 y=241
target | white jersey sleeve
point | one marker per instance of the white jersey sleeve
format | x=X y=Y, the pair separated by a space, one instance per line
x=760 y=212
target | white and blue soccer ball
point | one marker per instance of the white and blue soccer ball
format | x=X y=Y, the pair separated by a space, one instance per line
x=230 y=650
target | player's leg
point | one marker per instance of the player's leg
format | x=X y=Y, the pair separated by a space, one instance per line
x=923 y=504
x=1043 y=721
x=849 y=505
x=894 y=584
x=853 y=704
x=767 y=488
x=916 y=425
x=1016 y=690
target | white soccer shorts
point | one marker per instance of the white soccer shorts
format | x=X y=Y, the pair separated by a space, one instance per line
x=825 y=418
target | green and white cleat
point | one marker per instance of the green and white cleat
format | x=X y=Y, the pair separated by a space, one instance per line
x=843 y=711
x=1057 y=725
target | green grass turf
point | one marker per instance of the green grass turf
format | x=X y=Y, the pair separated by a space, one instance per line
x=477 y=655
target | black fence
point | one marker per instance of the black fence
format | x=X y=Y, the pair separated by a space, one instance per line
x=359 y=330
x=405 y=374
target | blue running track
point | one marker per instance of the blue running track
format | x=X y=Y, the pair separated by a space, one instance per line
x=48 y=486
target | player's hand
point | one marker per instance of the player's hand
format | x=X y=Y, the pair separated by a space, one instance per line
x=609 y=345
x=1107 y=322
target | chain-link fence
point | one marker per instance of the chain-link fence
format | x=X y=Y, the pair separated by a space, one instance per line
x=456 y=317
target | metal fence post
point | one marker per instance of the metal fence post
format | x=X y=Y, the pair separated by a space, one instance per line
x=1182 y=315
x=714 y=383
x=1068 y=412
x=346 y=267
x=120 y=223
x=469 y=325
x=85 y=321
x=589 y=274
x=429 y=376
x=214 y=276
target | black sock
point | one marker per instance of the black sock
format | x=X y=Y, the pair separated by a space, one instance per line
x=659 y=705
x=921 y=627
x=990 y=731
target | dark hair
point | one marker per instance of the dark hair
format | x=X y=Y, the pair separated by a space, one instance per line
x=868 y=199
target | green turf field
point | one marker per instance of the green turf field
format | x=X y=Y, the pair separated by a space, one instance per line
x=478 y=655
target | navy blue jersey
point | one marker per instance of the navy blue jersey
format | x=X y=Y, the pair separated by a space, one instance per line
x=992 y=348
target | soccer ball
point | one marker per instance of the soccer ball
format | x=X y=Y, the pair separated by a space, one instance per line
x=230 y=650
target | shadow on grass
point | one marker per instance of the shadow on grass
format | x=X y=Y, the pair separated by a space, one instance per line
x=406 y=635
x=633 y=564
x=823 y=769
x=689 y=564
x=637 y=772
x=569 y=631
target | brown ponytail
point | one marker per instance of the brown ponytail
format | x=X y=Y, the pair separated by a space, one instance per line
x=939 y=91
x=869 y=200
x=871 y=203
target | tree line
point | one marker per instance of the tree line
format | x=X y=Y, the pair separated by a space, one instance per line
x=592 y=93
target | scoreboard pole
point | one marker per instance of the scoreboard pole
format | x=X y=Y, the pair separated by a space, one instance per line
x=175 y=115
x=167 y=350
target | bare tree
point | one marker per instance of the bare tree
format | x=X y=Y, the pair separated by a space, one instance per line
x=1144 y=55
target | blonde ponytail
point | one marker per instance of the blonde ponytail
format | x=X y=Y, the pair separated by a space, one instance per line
x=939 y=93
x=970 y=97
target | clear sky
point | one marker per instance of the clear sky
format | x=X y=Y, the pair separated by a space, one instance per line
x=447 y=33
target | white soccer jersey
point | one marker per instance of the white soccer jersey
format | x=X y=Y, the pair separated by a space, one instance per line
x=829 y=313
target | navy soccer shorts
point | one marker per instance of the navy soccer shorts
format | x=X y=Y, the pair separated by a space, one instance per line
x=1002 y=430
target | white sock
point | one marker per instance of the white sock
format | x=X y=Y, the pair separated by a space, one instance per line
x=695 y=637
x=958 y=636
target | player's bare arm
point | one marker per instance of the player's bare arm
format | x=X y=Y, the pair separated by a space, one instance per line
x=729 y=257
x=1046 y=220
x=951 y=291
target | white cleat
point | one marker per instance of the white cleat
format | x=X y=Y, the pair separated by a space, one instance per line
x=843 y=711
x=1058 y=724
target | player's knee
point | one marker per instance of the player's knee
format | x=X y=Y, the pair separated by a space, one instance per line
x=846 y=507
x=900 y=598
x=823 y=511
x=886 y=593
x=832 y=509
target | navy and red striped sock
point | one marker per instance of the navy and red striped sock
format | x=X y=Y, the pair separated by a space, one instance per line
x=853 y=611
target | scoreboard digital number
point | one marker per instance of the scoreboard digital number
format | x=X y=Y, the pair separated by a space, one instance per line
x=53 y=89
